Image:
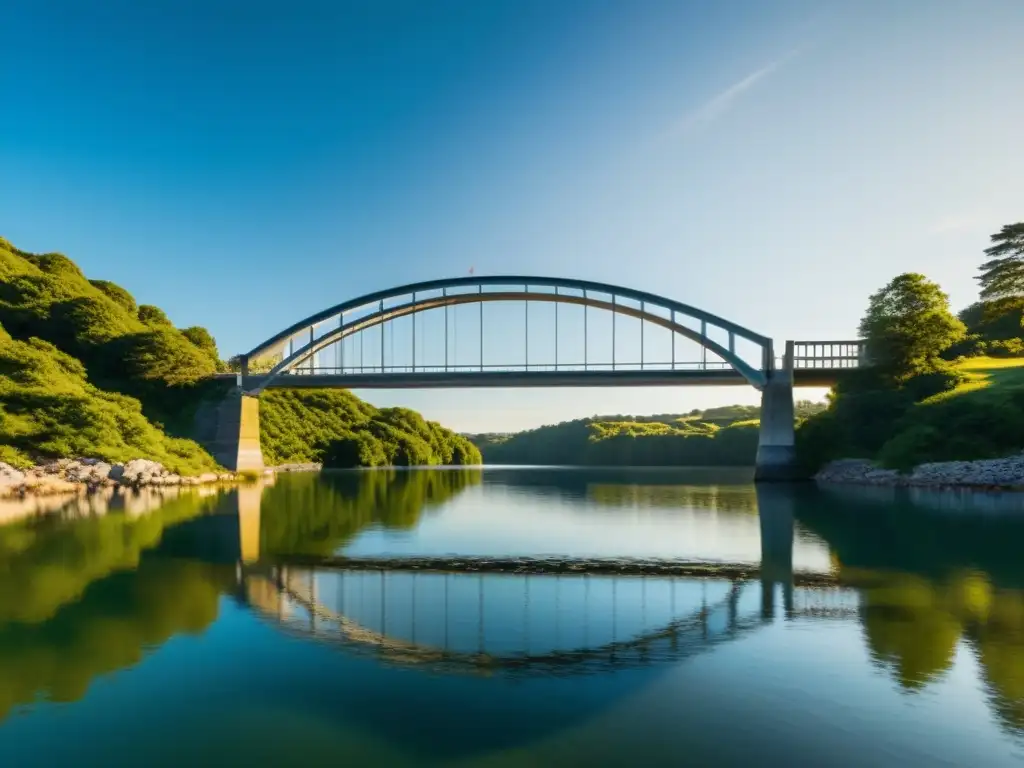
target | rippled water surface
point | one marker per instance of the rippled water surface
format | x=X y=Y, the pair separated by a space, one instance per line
x=869 y=627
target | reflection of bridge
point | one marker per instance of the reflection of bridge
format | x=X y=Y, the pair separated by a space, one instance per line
x=528 y=623
x=520 y=625
x=642 y=339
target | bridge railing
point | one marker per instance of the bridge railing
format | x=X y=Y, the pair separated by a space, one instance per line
x=828 y=355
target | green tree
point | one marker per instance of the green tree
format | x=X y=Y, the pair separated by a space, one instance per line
x=154 y=317
x=204 y=340
x=1002 y=276
x=908 y=325
x=262 y=364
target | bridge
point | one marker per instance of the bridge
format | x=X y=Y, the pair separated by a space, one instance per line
x=536 y=332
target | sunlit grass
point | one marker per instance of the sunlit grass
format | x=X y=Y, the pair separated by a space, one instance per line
x=985 y=374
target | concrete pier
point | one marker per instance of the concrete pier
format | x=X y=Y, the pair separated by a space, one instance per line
x=230 y=430
x=776 y=445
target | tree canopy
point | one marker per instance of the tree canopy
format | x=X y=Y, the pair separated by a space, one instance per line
x=1002 y=276
x=721 y=436
x=908 y=325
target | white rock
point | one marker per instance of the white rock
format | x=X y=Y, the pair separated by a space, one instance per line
x=9 y=476
x=140 y=472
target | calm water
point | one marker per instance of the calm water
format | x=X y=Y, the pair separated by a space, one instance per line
x=195 y=630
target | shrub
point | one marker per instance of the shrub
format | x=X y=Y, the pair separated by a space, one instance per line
x=154 y=317
x=57 y=264
x=340 y=430
x=81 y=324
x=972 y=345
x=353 y=450
x=1005 y=348
x=204 y=341
x=906 y=449
x=118 y=295
x=944 y=378
x=160 y=355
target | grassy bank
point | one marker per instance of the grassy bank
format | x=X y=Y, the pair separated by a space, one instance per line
x=981 y=416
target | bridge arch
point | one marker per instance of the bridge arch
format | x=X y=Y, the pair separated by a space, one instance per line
x=439 y=296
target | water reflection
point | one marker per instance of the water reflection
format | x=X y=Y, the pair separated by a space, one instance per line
x=48 y=560
x=932 y=582
x=520 y=625
x=100 y=584
x=307 y=514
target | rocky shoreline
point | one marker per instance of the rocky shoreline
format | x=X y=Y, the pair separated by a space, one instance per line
x=69 y=476
x=1005 y=474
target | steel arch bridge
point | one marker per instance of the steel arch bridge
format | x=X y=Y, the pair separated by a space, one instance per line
x=319 y=350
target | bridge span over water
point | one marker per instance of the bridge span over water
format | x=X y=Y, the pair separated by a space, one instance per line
x=528 y=331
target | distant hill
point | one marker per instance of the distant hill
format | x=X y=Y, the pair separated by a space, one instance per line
x=722 y=436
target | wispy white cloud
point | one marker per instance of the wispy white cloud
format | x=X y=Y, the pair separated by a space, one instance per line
x=716 y=106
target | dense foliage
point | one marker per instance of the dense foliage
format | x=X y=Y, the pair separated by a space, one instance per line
x=125 y=348
x=86 y=371
x=724 y=436
x=338 y=429
x=49 y=408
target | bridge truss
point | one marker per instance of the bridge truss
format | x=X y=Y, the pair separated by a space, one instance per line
x=543 y=332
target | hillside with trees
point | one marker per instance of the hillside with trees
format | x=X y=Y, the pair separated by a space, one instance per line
x=722 y=436
x=942 y=387
x=87 y=371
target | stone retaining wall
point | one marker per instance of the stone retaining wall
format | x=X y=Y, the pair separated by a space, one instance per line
x=1006 y=473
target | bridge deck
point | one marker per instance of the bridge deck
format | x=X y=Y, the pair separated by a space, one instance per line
x=802 y=377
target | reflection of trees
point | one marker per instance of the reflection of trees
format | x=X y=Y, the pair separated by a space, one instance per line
x=314 y=515
x=909 y=628
x=998 y=641
x=108 y=629
x=47 y=562
x=720 y=488
x=736 y=498
x=929 y=581
x=912 y=625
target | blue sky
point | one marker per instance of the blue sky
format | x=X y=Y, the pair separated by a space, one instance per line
x=244 y=164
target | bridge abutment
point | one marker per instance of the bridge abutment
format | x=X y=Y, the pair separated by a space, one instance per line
x=230 y=430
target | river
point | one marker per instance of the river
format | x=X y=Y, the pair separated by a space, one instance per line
x=249 y=627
